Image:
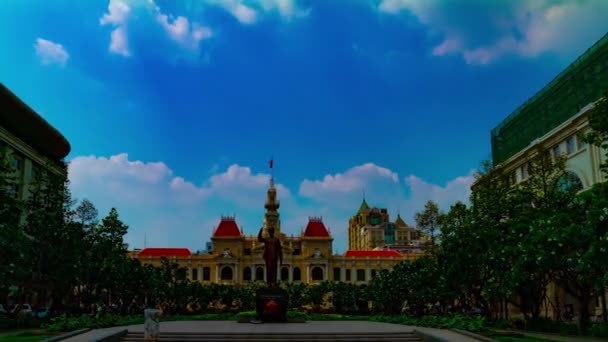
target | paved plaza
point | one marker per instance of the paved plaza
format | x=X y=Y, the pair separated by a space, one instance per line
x=308 y=327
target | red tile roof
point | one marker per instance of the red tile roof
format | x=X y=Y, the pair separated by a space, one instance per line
x=316 y=228
x=227 y=228
x=372 y=254
x=155 y=252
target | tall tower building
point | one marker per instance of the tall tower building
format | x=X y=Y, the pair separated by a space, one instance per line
x=271 y=218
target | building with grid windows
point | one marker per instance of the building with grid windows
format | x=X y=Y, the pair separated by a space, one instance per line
x=33 y=144
x=555 y=119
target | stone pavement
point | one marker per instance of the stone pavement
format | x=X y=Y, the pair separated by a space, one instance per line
x=308 y=327
x=555 y=337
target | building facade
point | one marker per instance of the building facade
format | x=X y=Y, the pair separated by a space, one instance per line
x=34 y=145
x=371 y=229
x=556 y=119
x=235 y=258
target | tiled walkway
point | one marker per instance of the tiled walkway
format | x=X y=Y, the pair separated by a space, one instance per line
x=309 y=327
x=559 y=338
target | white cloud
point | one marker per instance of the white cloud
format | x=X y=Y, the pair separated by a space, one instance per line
x=483 y=33
x=187 y=34
x=249 y=11
x=50 y=52
x=458 y=189
x=118 y=14
x=173 y=211
x=352 y=180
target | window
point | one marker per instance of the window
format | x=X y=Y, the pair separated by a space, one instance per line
x=17 y=165
x=571 y=182
x=15 y=191
x=557 y=152
x=580 y=139
x=247 y=274
x=297 y=251
x=525 y=171
x=570 y=146
x=284 y=274
x=348 y=276
x=247 y=251
x=297 y=274
x=35 y=173
x=194 y=274
x=259 y=274
x=337 y=272
x=360 y=275
x=226 y=273
x=317 y=274
x=206 y=274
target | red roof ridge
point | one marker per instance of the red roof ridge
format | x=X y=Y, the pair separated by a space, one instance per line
x=227 y=228
x=372 y=254
x=152 y=251
x=316 y=228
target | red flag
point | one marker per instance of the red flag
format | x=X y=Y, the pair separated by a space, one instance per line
x=271 y=162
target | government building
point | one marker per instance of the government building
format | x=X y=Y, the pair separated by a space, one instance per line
x=555 y=119
x=235 y=258
x=33 y=144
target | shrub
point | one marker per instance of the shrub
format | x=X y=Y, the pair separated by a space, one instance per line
x=599 y=330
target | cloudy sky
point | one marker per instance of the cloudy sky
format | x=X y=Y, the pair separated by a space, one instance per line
x=174 y=108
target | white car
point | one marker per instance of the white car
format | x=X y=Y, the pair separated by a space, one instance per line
x=23 y=309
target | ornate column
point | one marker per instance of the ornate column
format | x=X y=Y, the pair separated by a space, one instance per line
x=199 y=275
x=343 y=271
x=308 y=273
x=368 y=271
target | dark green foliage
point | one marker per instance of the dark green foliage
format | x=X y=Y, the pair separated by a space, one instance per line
x=598 y=121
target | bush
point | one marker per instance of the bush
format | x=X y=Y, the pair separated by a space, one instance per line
x=470 y=323
x=599 y=330
x=550 y=326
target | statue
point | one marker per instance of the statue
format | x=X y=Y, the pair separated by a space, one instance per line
x=273 y=254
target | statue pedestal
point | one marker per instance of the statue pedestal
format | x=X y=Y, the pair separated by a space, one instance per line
x=151 y=325
x=271 y=305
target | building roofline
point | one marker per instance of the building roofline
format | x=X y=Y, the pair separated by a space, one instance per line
x=30 y=127
x=553 y=83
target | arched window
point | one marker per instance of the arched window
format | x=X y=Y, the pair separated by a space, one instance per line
x=247 y=274
x=337 y=274
x=206 y=273
x=284 y=274
x=317 y=274
x=571 y=182
x=226 y=273
x=297 y=274
x=259 y=274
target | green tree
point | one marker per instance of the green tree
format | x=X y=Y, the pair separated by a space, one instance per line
x=88 y=275
x=12 y=240
x=111 y=253
x=492 y=206
x=54 y=242
x=428 y=221
x=537 y=198
x=580 y=243
x=463 y=256
x=598 y=121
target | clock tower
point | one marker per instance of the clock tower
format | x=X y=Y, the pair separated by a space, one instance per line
x=271 y=218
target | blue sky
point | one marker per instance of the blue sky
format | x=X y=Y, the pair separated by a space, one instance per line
x=173 y=108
